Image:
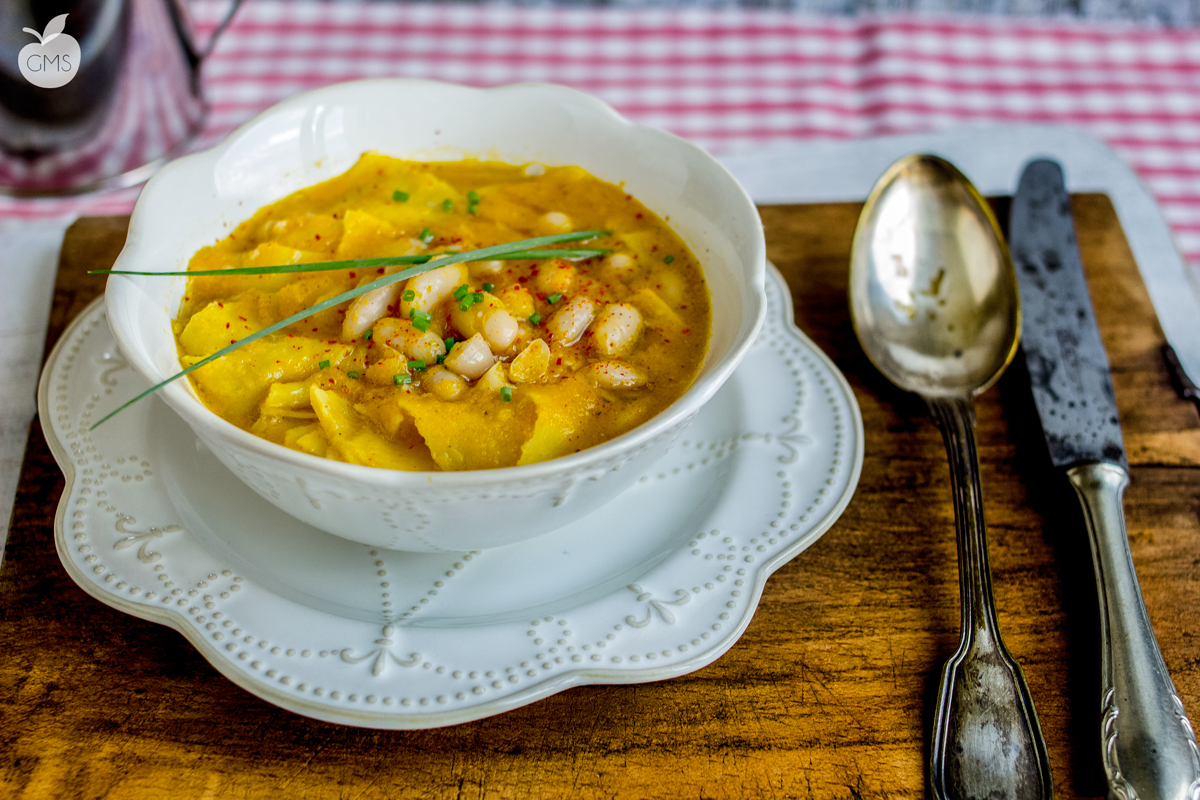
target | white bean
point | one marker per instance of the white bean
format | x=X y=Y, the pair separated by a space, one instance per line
x=615 y=375
x=365 y=309
x=442 y=382
x=402 y=335
x=471 y=358
x=495 y=378
x=482 y=268
x=531 y=363
x=554 y=277
x=500 y=328
x=569 y=323
x=621 y=265
x=470 y=322
x=557 y=220
x=431 y=288
x=671 y=287
x=616 y=329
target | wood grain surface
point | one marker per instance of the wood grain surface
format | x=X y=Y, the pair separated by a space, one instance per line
x=830 y=692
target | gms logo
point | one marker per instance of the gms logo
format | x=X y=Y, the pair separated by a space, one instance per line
x=53 y=60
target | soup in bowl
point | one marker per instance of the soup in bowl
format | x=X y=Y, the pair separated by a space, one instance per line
x=449 y=411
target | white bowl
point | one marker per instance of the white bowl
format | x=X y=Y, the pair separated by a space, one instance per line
x=315 y=136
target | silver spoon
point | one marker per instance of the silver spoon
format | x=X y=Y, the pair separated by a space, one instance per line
x=934 y=301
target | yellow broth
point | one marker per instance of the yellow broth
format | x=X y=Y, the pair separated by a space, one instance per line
x=548 y=356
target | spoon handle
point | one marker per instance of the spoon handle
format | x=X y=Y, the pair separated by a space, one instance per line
x=986 y=737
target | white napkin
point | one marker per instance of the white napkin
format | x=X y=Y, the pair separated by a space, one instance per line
x=28 y=266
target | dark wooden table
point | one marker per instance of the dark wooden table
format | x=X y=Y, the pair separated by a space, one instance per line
x=828 y=694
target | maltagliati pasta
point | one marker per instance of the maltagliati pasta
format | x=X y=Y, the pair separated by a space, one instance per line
x=477 y=365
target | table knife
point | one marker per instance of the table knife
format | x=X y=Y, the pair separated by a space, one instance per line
x=1148 y=746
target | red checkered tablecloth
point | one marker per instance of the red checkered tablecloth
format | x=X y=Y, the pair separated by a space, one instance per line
x=732 y=78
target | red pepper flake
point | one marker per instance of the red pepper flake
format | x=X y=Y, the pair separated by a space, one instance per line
x=639 y=216
x=243 y=319
x=379 y=271
x=226 y=326
x=559 y=361
x=233 y=341
x=314 y=330
x=351 y=274
x=220 y=304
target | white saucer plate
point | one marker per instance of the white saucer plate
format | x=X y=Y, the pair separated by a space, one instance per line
x=656 y=584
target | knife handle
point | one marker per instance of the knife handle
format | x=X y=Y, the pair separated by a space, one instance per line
x=1149 y=748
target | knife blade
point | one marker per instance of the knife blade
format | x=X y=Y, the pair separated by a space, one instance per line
x=1068 y=368
x=1148 y=747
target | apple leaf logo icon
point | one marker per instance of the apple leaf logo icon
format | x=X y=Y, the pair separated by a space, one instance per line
x=53 y=59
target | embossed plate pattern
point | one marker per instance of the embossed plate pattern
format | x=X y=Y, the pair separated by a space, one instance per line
x=657 y=584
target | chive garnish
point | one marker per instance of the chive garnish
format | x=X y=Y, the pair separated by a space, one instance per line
x=554 y=298
x=408 y=296
x=323 y=365
x=668 y=259
x=506 y=393
x=420 y=319
x=364 y=264
x=417 y=364
x=426 y=235
x=401 y=379
x=449 y=343
x=370 y=332
x=441 y=359
x=472 y=196
x=535 y=318
x=447 y=204
x=495 y=251
x=461 y=292
x=468 y=300
x=352 y=375
x=487 y=287
x=399 y=196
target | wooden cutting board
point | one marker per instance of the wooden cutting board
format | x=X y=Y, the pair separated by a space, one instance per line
x=830 y=692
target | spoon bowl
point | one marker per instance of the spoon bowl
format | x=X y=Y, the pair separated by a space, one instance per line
x=932 y=292
x=934 y=301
